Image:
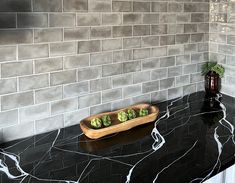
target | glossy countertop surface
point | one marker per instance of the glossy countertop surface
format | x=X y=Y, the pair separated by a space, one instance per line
x=192 y=140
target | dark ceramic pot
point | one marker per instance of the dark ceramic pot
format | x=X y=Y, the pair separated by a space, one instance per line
x=212 y=84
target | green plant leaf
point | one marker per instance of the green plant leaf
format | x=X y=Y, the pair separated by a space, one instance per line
x=219 y=69
x=213 y=66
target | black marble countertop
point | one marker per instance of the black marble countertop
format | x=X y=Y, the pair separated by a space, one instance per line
x=192 y=140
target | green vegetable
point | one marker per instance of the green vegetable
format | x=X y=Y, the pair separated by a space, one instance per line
x=143 y=112
x=106 y=120
x=96 y=123
x=131 y=114
x=213 y=66
x=122 y=116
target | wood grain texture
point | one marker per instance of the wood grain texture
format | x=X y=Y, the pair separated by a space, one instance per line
x=118 y=126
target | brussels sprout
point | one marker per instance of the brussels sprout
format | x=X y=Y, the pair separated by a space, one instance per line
x=143 y=112
x=106 y=120
x=96 y=123
x=122 y=116
x=131 y=114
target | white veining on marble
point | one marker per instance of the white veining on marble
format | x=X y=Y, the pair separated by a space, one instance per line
x=92 y=155
x=223 y=146
x=216 y=137
x=128 y=178
x=90 y=140
x=159 y=140
x=69 y=139
x=5 y=169
x=33 y=143
x=175 y=161
x=48 y=151
x=131 y=155
x=17 y=143
x=231 y=129
x=168 y=133
x=220 y=148
x=16 y=159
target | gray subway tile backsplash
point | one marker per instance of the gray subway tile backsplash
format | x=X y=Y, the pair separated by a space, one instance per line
x=62 y=19
x=75 y=5
x=89 y=46
x=132 y=18
x=111 y=95
x=48 y=35
x=16 y=36
x=15 y=6
x=48 y=94
x=49 y=124
x=62 y=106
x=7 y=53
x=89 y=100
x=76 y=89
x=65 y=60
x=11 y=20
x=131 y=91
x=63 y=77
x=35 y=112
x=100 y=84
x=150 y=86
x=48 y=65
x=32 y=20
x=8 y=86
x=11 y=69
x=122 y=6
x=17 y=100
x=122 y=80
x=9 y=118
x=33 y=51
x=99 y=5
x=47 y=5
x=18 y=131
x=28 y=82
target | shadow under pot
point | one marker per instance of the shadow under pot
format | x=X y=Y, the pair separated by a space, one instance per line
x=212 y=83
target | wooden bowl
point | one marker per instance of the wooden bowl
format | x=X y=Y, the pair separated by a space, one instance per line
x=118 y=126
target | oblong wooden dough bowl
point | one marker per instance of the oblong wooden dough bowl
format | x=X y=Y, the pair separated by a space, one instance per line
x=118 y=126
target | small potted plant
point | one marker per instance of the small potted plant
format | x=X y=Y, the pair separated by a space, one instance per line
x=213 y=73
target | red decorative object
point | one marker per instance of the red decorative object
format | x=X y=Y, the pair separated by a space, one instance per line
x=212 y=83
